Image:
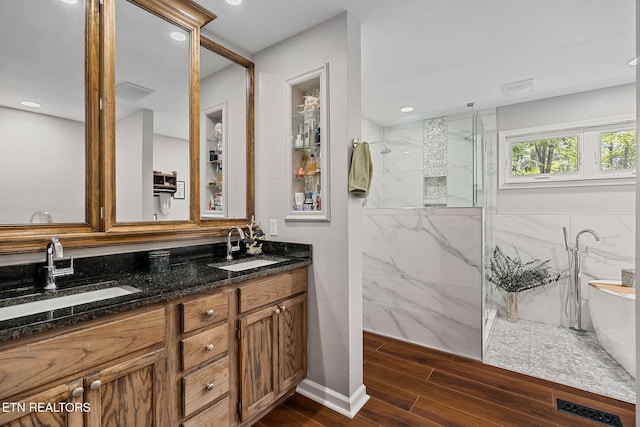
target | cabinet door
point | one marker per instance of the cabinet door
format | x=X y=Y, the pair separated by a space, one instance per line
x=130 y=393
x=292 y=342
x=45 y=408
x=258 y=361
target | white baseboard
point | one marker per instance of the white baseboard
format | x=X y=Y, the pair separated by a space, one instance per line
x=347 y=406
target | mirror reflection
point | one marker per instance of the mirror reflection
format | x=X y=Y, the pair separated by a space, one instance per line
x=223 y=137
x=152 y=117
x=42 y=112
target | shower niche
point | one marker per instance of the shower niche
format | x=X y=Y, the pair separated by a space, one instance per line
x=307 y=146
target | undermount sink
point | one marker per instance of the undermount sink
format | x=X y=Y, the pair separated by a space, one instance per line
x=28 y=308
x=247 y=265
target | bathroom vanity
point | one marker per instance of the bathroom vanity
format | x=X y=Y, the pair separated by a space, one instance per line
x=197 y=346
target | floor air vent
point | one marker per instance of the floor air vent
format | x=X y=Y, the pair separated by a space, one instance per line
x=589 y=413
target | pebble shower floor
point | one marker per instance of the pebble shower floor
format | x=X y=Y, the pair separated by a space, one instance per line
x=559 y=355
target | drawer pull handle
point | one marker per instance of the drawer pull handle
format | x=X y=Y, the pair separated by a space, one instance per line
x=77 y=392
x=209 y=386
x=209 y=347
x=95 y=385
x=210 y=312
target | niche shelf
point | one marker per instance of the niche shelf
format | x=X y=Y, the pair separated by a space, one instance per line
x=213 y=160
x=308 y=190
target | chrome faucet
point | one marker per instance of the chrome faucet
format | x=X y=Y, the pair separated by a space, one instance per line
x=231 y=248
x=54 y=250
x=573 y=301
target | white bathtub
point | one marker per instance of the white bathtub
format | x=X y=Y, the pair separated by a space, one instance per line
x=613 y=312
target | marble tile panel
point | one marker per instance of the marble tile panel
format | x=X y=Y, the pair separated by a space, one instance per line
x=403 y=189
x=535 y=236
x=439 y=316
x=459 y=187
x=459 y=153
x=616 y=249
x=538 y=305
x=414 y=245
x=402 y=157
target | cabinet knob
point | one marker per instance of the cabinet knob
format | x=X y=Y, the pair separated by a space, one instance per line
x=209 y=386
x=77 y=392
x=95 y=385
x=283 y=308
x=277 y=310
x=210 y=312
x=209 y=347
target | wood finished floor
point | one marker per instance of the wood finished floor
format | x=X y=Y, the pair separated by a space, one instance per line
x=413 y=386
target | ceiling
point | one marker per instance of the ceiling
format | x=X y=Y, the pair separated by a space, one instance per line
x=437 y=56
x=434 y=56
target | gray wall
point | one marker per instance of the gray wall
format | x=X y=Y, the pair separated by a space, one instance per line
x=335 y=291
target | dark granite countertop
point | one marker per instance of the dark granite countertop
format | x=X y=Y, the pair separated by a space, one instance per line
x=191 y=273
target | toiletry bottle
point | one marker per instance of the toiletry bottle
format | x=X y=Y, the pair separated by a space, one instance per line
x=211 y=203
x=311 y=166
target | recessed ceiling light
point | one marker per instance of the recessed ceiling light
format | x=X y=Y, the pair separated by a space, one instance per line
x=406 y=109
x=177 y=35
x=30 y=104
x=234 y=2
x=633 y=62
x=70 y=1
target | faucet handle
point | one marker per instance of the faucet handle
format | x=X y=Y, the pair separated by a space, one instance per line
x=57 y=247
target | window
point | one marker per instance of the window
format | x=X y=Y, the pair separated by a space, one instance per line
x=569 y=155
x=545 y=156
x=618 y=150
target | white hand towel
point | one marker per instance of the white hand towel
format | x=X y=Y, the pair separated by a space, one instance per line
x=165 y=203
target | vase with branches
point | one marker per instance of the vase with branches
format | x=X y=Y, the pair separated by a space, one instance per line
x=513 y=275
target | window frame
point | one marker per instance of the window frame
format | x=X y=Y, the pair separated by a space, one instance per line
x=589 y=171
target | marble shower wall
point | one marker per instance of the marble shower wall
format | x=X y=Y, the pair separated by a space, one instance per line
x=422 y=278
x=426 y=161
x=540 y=237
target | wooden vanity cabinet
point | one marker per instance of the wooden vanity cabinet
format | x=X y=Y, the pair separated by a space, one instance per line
x=273 y=340
x=130 y=393
x=219 y=359
x=205 y=360
x=14 y=416
x=114 y=371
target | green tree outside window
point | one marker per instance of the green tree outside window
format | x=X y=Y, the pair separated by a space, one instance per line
x=618 y=150
x=545 y=156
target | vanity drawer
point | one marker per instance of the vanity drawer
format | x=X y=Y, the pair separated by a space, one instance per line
x=204 y=311
x=204 y=346
x=205 y=385
x=266 y=291
x=29 y=365
x=216 y=416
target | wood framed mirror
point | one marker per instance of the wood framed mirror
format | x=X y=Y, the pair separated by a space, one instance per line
x=102 y=222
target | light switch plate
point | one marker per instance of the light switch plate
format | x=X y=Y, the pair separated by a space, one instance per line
x=273 y=227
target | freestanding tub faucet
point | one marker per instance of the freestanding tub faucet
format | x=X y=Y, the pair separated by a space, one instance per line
x=573 y=301
x=53 y=251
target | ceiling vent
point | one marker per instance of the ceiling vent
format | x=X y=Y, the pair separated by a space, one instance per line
x=132 y=91
x=521 y=87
